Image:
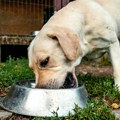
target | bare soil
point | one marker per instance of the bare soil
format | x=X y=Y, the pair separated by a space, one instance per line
x=94 y=70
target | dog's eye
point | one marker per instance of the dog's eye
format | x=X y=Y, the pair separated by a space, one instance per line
x=44 y=62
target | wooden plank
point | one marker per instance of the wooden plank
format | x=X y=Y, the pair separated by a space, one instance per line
x=65 y=2
x=57 y=5
x=16 y=40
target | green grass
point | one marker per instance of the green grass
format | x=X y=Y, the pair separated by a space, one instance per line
x=101 y=90
x=13 y=70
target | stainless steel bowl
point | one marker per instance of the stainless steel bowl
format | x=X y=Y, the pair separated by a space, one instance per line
x=23 y=98
x=34 y=33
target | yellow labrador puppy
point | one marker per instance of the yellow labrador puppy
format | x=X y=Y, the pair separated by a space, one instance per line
x=82 y=27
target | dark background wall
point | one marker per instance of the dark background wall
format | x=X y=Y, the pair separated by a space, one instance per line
x=14 y=51
x=21 y=16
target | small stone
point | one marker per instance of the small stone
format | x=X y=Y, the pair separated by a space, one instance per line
x=84 y=73
x=115 y=106
x=116 y=112
x=4 y=115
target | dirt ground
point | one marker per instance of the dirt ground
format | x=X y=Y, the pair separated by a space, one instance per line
x=95 y=69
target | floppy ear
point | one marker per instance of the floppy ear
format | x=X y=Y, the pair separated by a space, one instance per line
x=68 y=40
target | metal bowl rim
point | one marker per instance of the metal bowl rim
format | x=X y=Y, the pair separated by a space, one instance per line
x=49 y=89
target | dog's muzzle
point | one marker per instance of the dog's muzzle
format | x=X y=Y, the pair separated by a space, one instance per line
x=70 y=82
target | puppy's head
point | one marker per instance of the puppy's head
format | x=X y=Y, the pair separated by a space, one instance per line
x=53 y=55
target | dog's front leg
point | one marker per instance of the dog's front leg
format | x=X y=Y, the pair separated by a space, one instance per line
x=115 y=59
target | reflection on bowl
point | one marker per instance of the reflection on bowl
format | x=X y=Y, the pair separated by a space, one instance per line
x=23 y=98
x=34 y=33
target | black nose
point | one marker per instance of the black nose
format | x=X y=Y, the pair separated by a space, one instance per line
x=69 y=81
